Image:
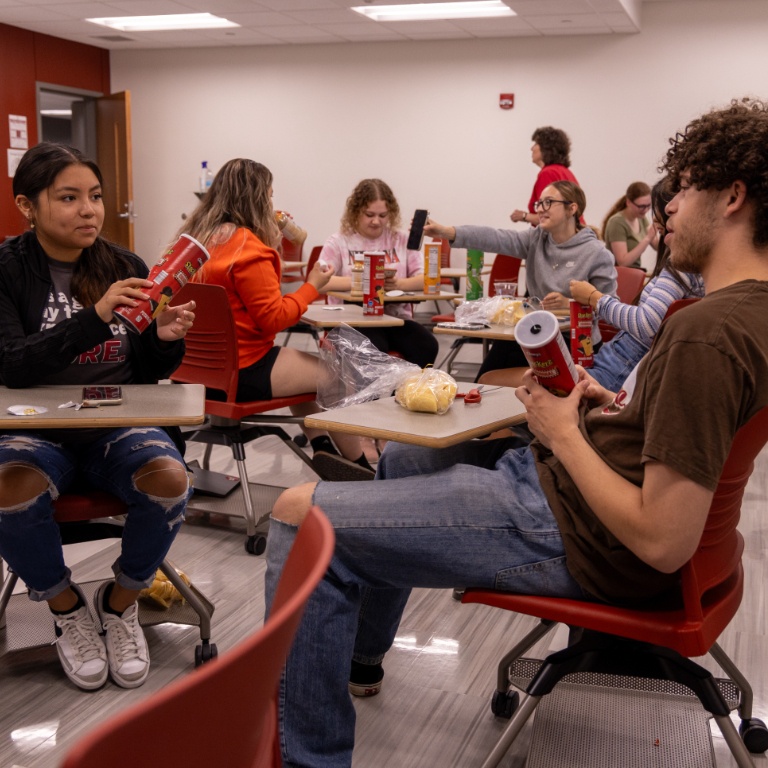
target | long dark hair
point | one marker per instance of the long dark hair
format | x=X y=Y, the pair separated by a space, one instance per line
x=661 y=193
x=99 y=265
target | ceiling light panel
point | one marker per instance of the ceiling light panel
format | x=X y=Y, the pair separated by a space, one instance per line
x=477 y=9
x=164 y=22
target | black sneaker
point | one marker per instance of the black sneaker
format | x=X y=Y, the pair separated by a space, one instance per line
x=365 y=679
x=338 y=469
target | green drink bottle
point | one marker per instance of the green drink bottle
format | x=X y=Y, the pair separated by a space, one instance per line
x=474 y=271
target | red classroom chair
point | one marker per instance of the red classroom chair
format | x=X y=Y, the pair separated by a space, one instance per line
x=228 y=708
x=657 y=641
x=90 y=516
x=211 y=359
x=504 y=268
x=629 y=283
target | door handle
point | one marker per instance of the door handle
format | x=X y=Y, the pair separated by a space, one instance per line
x=129 y=213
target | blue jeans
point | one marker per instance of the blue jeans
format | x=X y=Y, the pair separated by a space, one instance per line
x=470 y=515
x=29 y=537
x=616 y=360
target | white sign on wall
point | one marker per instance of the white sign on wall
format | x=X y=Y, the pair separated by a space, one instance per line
x=17 y=125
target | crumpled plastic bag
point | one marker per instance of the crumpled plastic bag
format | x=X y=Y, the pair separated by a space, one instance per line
x=162 y=592
x=430 y=391
x=501 y=310
x=354 y=371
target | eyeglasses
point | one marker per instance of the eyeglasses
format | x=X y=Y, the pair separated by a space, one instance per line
x=546 y=203
x=641 y=206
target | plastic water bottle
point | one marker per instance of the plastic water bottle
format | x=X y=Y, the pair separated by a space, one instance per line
x=206 y=177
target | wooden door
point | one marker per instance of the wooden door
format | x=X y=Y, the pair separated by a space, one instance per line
x=113 y=131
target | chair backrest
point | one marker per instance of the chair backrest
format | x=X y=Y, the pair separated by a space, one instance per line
x=718 y=555
x=211 y=356
x=503 y=268
x=292 y=251
x=223 y=713
x=629 y=283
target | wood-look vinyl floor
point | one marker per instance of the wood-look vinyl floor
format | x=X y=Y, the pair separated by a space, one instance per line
x=434 y=707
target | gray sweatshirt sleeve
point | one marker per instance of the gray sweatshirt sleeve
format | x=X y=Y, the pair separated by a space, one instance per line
x=489 y=240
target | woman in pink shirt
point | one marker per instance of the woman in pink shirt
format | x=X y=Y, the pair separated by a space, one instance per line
x=370 y=223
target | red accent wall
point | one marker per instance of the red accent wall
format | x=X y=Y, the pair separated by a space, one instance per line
x=25 y=59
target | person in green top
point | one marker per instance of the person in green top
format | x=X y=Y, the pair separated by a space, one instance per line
x=626 y=231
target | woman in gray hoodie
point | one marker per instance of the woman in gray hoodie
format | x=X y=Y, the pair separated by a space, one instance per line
x=559 y=250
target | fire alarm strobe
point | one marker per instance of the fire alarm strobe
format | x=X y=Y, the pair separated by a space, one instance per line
x=507 y=100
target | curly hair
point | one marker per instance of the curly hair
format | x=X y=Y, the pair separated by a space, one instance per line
x=554 y=144
x=366 y=192
x=724 y=146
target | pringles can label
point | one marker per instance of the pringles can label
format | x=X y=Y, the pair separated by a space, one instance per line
x=474 y=274
x=431 y=268
x=582 y=351
x=373 y=283
x=170 y=274
x=538 y=335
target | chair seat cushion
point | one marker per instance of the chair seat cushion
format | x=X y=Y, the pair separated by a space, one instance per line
x=238 y=411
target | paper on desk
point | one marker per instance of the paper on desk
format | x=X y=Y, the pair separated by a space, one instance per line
x=26 y=410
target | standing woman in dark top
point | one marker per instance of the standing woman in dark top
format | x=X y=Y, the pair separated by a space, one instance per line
x=59 y=285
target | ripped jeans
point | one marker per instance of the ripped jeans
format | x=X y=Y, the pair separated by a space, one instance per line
x=30 y=542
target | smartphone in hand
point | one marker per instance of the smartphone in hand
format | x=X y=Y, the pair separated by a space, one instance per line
x=416 y=235
x=95 y=396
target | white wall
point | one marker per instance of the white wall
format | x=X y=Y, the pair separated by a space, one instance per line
x=425 y=116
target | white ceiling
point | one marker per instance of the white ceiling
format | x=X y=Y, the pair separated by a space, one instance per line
x=280 y=22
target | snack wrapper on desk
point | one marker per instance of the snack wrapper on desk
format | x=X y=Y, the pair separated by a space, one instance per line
x=499 y=310
x=430 y=391
x=354 y=371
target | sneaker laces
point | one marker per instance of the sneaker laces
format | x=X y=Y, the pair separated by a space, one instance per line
x=123 y=636
x=81 y=634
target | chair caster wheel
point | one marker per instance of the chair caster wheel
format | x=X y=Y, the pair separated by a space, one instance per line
x=754 y=734
x=256 y=544
x=505 y=704
x=301 y=440
x=205 y=652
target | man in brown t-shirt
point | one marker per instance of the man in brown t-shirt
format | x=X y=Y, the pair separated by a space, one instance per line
x=610 y=499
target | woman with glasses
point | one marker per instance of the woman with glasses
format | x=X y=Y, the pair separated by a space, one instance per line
x=559 y=250
x=639 y=321
x=626 y=231
x=551 y=153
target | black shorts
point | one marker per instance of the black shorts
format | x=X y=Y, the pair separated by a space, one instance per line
x=255 y=381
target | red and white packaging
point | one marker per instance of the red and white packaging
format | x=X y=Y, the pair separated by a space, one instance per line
x=373 y=283
x=582 y=350
x=539 y=336
x=170 y=274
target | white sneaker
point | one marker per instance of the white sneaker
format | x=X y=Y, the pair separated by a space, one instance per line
x=81 y=650
x=126 y=645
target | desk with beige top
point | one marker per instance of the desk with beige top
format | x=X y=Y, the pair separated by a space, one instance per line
x=143 y=405
x=333 y=315
x=408 y=297
x=384 y=419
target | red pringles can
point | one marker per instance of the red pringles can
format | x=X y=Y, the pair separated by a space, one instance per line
x=538 y=335
x=170 y=274
x=373 y=283
x=582 y=351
